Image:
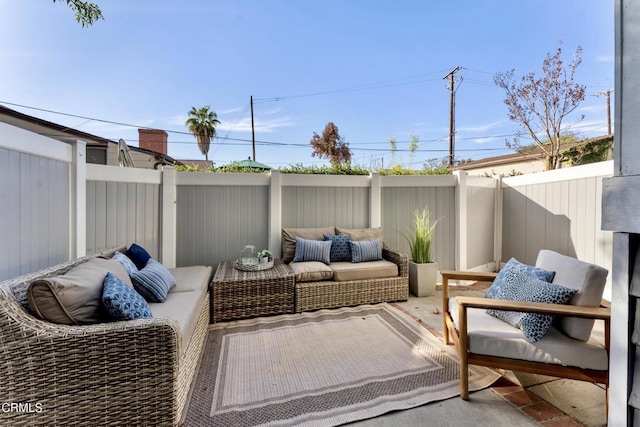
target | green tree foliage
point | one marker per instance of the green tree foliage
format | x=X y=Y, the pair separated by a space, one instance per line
x=202 y=124
x=413 y=146
x=86 y=13
x=393 y=147
x=540 y=104
x=331 y=146
x=589 y=151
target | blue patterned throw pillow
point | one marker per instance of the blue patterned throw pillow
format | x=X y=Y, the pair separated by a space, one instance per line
x=122 y=302
x=513 y=264
x=366 y=250
x=340 y=247
x=519 y=286
x=126 y=262
x=312 y=250
x=153 y=281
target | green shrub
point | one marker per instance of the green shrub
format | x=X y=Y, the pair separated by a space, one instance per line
x=192 y=168
x=325 y=170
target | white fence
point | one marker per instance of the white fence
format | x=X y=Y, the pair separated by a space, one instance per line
x=56 y=207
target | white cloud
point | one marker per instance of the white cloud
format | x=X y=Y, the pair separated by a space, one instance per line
x=101 y=128
x=177 y=120
x=481 y=128
x=590 y=109
x=260 y=124
x=229 y=111
x=605 y=58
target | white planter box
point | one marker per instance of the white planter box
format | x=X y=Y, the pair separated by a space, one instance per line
x=422 y=278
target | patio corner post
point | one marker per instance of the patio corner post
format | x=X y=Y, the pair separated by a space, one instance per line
x=78 y=200
x=375 y=201
x=168 y=245
x=275 y=213
x=497 y=225
x=461 y=220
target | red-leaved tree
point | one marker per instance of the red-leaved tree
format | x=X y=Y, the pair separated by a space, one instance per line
x=331 y=146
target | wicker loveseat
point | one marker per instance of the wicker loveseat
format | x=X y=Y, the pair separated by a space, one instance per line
x=349 y=283
x=135 y=372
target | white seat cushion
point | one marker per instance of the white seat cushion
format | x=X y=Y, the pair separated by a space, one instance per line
x=185 y=307
x=493 y=337
x=193 y=278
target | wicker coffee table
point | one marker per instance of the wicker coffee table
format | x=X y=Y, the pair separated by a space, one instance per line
x=237 y=294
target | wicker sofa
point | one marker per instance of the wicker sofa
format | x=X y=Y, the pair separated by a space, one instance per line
x=377 y=283
x=135 y=372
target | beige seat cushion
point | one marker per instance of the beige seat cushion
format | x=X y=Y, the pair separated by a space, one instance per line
x=289 y=238
x=185 y=307
x=193 y=278
x=362 y=233
x=74 y=298
x=311 y=271
x=493 y=337
x=343 y=270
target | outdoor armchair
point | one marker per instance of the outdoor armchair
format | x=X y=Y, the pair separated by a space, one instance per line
x=481 y=339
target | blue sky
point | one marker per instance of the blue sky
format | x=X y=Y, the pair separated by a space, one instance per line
x=373 y=68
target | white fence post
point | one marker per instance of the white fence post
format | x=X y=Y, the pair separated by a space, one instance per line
x=275 y=213
x=78 y=200
x=375 y=201
x=461 y=220
x=497 y=225
x=168 y=213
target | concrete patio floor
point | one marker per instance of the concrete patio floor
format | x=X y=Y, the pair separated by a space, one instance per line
x=517 y=400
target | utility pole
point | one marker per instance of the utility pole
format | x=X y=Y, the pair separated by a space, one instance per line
x=607 y=93
x=452 y=103
x=253 y=134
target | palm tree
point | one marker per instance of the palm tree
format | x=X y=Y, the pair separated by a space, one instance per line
x=202 y=124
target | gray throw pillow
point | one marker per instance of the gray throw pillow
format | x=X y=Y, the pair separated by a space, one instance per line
x=312 y=250
x=366 y=250
x=153 y=282
x=74 y=298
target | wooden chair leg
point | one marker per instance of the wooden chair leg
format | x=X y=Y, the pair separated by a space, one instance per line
x=445 y=333
x=462 y=353
x=607 y=405
x=445 y=309
x=464 y=379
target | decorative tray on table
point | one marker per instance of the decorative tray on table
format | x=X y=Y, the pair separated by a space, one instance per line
x=254 y=266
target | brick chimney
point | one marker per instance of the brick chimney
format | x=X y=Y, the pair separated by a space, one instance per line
x=153 y=139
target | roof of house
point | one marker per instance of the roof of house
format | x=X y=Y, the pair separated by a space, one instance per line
x=60 y=132
x=533 y=153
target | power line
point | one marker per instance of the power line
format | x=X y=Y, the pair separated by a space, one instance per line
x=368 y=86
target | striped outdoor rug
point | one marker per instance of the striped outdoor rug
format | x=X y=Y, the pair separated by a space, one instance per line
x=322 y=368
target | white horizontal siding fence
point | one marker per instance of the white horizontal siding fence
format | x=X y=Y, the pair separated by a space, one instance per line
x=559 y=210
x=56 y=207
x=36 y=208
x=123 y=207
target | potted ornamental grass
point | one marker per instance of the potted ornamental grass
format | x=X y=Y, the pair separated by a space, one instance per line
x=423 y=270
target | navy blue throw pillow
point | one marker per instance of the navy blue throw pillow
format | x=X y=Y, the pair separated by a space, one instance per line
x=340 y=247
x=138 y=255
